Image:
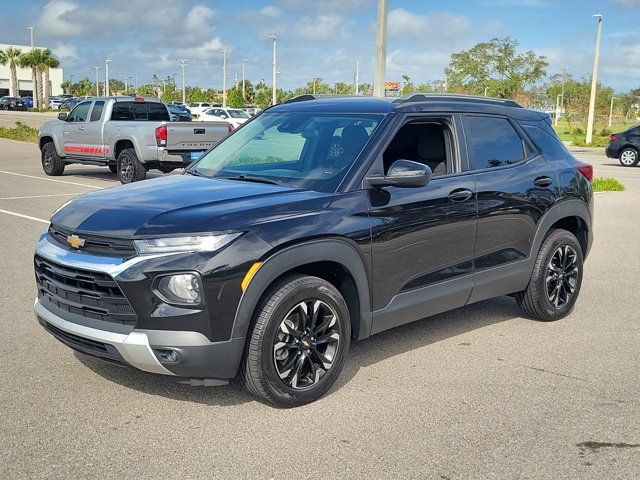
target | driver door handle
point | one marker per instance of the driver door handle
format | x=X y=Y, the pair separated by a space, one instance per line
x=543 y=181
x=460 y=194
x=80 y=128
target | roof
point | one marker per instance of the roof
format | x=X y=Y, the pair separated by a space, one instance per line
x=419 y=102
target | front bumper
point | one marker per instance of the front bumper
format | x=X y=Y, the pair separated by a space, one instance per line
x=612 y=152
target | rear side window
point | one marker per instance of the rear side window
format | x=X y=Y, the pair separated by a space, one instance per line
x=157 y=112
x=139 y=111
x=493 y=141
x=96 y=112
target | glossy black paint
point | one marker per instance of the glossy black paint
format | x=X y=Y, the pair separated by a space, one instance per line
x=421 y=249
x=628 y=138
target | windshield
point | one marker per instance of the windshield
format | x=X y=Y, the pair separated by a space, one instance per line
x=238 y=114
x=305 y=150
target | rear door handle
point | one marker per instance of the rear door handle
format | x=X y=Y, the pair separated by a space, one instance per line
x=460 y=194
x=543 y=181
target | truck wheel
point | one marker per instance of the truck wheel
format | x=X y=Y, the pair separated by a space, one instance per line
x=129 y=167
x=52 y=164
x=299 y=341
x=629 y=157
x=113 y=167
x=556 y=279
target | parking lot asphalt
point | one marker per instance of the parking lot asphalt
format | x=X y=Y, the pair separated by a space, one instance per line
x=479 y=392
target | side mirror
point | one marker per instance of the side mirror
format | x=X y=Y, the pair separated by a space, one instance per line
x=403 y=173
x=62 y=116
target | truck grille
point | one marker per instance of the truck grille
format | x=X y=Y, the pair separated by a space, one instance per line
x=94 y=243
x=83 y=292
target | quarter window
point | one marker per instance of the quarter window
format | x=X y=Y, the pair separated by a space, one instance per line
x=494 y=142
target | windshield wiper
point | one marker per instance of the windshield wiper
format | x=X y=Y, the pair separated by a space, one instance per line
x=244 y=178
x=196 y=173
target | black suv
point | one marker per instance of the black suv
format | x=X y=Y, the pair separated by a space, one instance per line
x=320 y=222
x=625 y=147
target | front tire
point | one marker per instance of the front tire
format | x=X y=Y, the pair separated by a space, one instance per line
x=629 y=157
x=52 y=163
x=299 y=341
x=556 y=278
x=130 y=169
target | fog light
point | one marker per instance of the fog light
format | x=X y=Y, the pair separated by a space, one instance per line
x=167 y=356
x=181 y=288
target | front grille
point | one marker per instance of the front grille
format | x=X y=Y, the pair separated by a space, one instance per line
x=94 y=243
x=90 y=294
x=85 y=345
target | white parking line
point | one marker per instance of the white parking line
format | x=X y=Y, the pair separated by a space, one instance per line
x=24 y=216
x=51 y=179
x=41 y=196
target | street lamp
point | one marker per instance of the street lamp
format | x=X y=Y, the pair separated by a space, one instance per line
x=356 y=78
x=381 y=49
x=244 y=60
x=558 y=97
x=183 y=64
x=106 y=77
x=611 y=111
x=31 y=36
x=97 y=82
x=594 y=81
x=224 y=78
x=486 y=89
x=70 y=82
x=274 y=97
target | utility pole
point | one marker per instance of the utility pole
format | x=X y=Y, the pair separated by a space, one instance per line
x=594 y=81
x=31 y=35
x=136 y=79
x=70 y=82
x=611 y=111
x=97 y=82
x=558 y=97
x=356 y=79
x=486 y=89
x=381 y=49
x=244 y=60
x=183 y=63
x=106 y=77
x=314 y=84
x=224 y=78
x=274 y=97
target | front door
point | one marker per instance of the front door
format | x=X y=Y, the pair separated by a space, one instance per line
x=423 y=238
x=75 y=130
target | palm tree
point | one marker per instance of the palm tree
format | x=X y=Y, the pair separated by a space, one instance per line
x=12 y=56
x=49 y=61
x=30 y=60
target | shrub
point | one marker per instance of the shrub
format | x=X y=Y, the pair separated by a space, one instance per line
x=607 y=184
x=579 y=141
x=21 y=132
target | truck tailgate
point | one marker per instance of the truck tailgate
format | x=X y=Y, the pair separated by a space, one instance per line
x=188 y=136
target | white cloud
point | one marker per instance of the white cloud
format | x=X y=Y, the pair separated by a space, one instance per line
x=628 y=3
x=67 y=53
x=52 y=21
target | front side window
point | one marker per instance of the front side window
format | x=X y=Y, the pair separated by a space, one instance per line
x=96 y=112
x=79 y=113
x=293 y=149
x=238 y=114
x=493 y=141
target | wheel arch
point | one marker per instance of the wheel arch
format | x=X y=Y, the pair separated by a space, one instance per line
x=123 y=143
x=44 y=139
x=571 y=215
x=334 y=260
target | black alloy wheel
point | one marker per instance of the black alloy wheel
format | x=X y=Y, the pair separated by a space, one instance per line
x=562 y=276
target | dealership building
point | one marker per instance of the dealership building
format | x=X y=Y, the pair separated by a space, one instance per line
x=25 y=82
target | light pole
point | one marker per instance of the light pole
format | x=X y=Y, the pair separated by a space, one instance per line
x=97 y=82
x=183 y=64
x=106 y=77
x=381 y=49
x=486 y=89
x=136 y=80
x=31 y=36
x=224 y=78
x=611 y=111
x=274 y=97
x=70 y=82
x=558 y=97
x=356 y=78
x=315 y=79
x=244 y=60
x=594 y=81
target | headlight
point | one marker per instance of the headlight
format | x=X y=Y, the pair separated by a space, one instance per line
x=204 y=243
x=181 y=288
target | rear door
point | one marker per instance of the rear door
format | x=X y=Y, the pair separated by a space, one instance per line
x=516 y=185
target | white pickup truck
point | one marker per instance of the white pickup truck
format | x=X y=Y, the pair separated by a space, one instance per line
x=129 y=135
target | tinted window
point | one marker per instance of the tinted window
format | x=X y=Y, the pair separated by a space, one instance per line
x=157 y=111
x=122 y=111
x=493 y=141
x=551 y=146
x=96 y=113
x=79 y=114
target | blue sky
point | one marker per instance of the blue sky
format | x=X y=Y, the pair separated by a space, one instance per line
x=320 y=37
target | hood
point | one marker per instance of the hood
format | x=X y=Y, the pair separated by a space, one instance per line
x=182 y=204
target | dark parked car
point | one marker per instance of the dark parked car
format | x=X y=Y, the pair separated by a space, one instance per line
x=28 y=101
x=68 y=104
x=317 y=224
x=179 y=114
x=12 y=103
x=625 y=147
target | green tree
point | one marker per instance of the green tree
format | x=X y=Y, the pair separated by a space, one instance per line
x=12 y=56
x=32 y=60
x=407 y=85
x=497 y=65
x=576 y=96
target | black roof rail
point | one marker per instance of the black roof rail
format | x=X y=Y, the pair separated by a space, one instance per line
x=425 y=97
x=313 y=96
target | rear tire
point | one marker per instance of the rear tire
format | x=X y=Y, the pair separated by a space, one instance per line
x=299 y=341
x=556 y=278
x=52 y=163
x=629 y=157
x=130 y=169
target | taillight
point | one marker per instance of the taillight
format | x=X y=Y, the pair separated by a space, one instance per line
x=161 y=136
x=229 y=128
x=585 y=169
x=613 y=138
